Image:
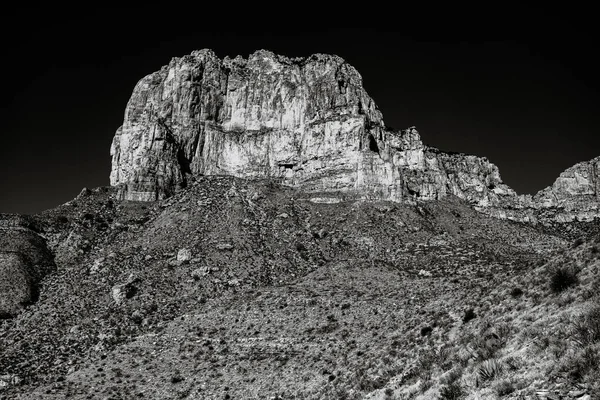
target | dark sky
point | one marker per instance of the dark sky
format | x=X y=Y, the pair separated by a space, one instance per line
x=523 y=92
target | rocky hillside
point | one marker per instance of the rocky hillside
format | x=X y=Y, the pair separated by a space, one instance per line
x=247 y=289
x=309 y=123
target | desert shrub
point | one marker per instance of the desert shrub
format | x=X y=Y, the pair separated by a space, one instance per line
x=426 y=330
x=88 y=216
x=586 y=330
x=425 y=365
x=513 y=363
x=452 y=376
x=425 y=385
x=443 y=358
x=504 y=387
x=490 y=340
x=562 y=278
x=582 y=364
x=176 y=377
x=516 y=292
x=452 y=391
x=469 y=315
x=489 y=369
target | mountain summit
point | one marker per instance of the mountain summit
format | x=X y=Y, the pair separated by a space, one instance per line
x=306 y=122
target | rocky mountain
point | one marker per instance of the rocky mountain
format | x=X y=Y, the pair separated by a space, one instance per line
x=306 y=122
x=236 y=288
x=268 y=237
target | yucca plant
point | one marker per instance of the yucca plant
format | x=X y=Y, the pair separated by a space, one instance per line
x=489 y=369
x=586 y=330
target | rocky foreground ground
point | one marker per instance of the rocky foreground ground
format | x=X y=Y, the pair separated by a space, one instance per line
x=236 y=289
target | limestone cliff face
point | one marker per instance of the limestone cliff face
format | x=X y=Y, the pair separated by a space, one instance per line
x=575 y=195
x=306 y=122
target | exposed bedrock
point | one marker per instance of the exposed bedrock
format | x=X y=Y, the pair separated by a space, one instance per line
x=307 y=122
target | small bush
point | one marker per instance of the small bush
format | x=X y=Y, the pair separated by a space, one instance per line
x=582 y=364
x=176 y=378
x=562 y=278
x=452 y=376
x=426 y=330
x=88 y=216
x=516 y=292
x=513 y=363
x=489 y=340
x=504 y=387
x=453 y=391
x=469 y=315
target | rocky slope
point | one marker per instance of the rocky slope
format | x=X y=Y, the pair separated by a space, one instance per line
x=306 y=122
x=238 y=288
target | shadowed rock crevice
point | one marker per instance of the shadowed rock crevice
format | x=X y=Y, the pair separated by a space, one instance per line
x=373 y=144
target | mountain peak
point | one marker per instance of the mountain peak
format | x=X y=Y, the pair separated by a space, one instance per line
x=304 y=122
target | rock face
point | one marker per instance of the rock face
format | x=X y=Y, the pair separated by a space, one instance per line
x=306 y=122
x=575 y=195
x=24 y=260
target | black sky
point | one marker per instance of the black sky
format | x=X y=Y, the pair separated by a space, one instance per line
x=523 y=92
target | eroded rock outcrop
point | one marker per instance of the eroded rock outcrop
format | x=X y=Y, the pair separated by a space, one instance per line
x=306 y=122
x=24 y=260
x=575 y=195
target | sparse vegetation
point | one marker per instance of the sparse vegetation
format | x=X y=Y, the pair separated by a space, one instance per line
x=586 y=329
x=370 y=306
